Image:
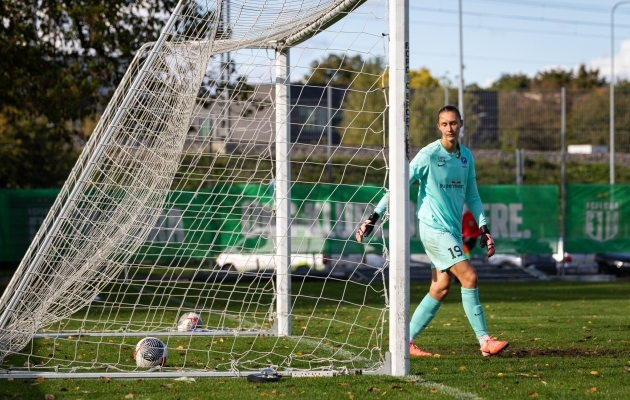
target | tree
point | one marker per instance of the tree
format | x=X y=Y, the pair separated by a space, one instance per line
x=511 y=82
x=57 y=60
x=422 y=79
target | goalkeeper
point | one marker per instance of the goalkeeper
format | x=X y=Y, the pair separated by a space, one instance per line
x=446 y=171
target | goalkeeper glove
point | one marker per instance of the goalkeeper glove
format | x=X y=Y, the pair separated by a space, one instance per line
x=486 y=240
x=366 y=227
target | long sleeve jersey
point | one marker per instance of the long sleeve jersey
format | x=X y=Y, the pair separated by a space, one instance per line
x=447 y=181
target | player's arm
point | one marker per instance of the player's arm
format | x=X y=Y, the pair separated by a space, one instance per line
x=476 y=208
x=417 y=169
x=368 y=225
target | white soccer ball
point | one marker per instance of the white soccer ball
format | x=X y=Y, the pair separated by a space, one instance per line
x=188 y=322
x=150 y=352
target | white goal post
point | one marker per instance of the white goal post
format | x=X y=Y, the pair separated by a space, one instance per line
x=223 y=185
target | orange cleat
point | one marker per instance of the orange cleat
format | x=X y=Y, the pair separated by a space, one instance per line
x=414 y=351
x=493 y=347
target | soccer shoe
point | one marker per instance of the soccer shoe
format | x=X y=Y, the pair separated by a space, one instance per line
x=414 y=351
x=493 y=347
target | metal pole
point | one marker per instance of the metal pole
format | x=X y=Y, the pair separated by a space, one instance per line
x=612 y=91
x=399 y=187
x=563 y=181
x=460 y=102
x=283 y=194
x=519 y=166
x=329 y=133
x=446 y=96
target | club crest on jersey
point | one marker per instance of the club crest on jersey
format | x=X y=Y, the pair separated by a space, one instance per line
x=441 y=161
x=464 y=161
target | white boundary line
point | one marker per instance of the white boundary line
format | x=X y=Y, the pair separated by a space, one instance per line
x=455 y=393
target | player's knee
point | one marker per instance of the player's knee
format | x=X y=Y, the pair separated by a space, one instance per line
x=439 y=293
x=468 y=281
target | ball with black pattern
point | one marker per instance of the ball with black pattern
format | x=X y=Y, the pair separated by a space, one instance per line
x=150 y=352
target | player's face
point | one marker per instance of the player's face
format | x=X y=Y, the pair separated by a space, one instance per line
x=449 y=125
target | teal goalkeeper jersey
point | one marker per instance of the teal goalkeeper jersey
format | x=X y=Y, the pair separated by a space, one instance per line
x=446 y=183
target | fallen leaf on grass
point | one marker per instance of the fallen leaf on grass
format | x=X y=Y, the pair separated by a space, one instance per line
x=484 y=387
x=591 y=390
x=40 y=379
x=129 y=396
x=350 y=395
x=106 y=379
x=49 y=396
x=594 y=373
x=433 y=390
x=532 y=394
x=626 y=368
x=462 y=368
x=374 y=389
x=166 y=385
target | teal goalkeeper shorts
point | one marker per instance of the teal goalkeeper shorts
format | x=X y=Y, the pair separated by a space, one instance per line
x=444 y=250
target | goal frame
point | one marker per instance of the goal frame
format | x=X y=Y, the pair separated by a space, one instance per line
x=397 y=358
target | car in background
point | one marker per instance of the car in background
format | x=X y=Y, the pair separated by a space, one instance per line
x=543 y=263
x=308 y=256
x=617 y=264
x=258 y=255
x=576 y=263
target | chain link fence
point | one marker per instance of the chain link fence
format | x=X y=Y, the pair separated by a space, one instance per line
x=500 y=125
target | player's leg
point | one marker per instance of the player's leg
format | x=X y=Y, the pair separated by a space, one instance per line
x=428 y=307
x=440 y=285
x=465 y=272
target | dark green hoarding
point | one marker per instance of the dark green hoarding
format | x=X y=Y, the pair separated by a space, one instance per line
x=598 y=218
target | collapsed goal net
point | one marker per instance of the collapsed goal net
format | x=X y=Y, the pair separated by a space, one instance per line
x=215 y=204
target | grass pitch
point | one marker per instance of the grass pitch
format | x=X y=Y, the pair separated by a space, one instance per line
x=568 y=340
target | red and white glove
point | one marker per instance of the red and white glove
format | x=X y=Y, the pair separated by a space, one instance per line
x=366 y=227
x=486 y=240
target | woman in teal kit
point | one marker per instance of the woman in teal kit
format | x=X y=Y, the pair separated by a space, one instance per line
x=446 y=171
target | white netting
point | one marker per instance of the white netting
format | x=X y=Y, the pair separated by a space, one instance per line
x=170 y=208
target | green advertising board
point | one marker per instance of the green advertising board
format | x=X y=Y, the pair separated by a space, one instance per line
x=200 y=225
x=598 y=218
x=522 y=219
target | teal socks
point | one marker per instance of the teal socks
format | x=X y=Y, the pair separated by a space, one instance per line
x=423 y=315
x=474 y=311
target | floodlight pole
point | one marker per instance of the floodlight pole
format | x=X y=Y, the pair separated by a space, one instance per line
x=612 y=91
x=460 y=95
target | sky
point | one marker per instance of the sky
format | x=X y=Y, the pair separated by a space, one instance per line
x=517 y=36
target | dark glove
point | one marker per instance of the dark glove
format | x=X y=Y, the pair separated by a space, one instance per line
x=366 y=227
x=470 y=242
x=486 y=240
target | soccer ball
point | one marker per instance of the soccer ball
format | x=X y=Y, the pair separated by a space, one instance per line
x=150 y=352
x=188 y=322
